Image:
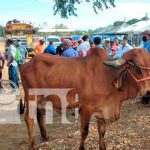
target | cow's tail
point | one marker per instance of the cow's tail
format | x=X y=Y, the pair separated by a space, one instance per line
x=22 y=102
x=21 y=107
x=73 y=105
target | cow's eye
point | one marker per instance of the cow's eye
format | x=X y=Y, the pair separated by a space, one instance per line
x=138 y=70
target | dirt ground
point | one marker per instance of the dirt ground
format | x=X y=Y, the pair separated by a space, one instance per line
x=130 y=132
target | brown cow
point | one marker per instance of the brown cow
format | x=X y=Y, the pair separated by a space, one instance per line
x=101 y=89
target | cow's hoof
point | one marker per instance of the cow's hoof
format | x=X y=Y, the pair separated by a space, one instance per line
x=45 y=139
x=81 y=148
x=102 y=148
x=32 y=146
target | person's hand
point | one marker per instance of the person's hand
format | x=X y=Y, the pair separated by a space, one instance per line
x=8 y=64
x=1 y=68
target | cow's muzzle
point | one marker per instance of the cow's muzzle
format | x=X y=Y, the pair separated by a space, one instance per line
x=148 y=92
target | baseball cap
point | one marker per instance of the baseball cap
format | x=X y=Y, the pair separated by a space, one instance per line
x=112 y=41
x=67 y=42
x=107 y=39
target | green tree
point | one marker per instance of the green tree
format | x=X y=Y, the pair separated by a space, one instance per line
x=133 y=21
x=60 y=26
x=145 y=18
x=67 y=7
x=118 y=23
x=2 y=30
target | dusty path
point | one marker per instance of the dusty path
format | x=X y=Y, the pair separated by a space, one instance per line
x=131 y=132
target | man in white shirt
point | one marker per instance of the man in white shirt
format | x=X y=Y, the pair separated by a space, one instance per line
x=124 y=47
x=12 y=64
x=84 y=46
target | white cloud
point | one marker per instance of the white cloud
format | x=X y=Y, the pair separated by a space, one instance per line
x=87 y=19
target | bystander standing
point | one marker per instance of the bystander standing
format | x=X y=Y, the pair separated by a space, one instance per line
x=12 y=64
x=2 y=61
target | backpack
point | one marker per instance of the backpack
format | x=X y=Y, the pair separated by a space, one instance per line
x=18 y=56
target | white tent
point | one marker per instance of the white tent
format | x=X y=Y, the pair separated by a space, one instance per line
x=136 y=28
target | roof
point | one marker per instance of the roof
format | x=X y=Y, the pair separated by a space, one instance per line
x=136 y=28
x=111 y=29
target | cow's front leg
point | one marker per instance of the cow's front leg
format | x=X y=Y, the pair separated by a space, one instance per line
x=85 y=119
x=41 y=119
x=101 y=124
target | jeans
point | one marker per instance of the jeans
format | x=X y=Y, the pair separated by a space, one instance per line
x=13 y=75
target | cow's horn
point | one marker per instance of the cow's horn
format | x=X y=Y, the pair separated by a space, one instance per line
x=116 y=63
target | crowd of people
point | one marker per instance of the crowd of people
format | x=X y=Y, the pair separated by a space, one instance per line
x=114 y=47
x=85 y=47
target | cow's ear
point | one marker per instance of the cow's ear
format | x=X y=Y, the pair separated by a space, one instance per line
x=119 y=81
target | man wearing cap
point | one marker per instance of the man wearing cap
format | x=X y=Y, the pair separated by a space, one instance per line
x=113 y=49
x=106 y=44
x=68 y=51
x=146 y=40
x=124 y=47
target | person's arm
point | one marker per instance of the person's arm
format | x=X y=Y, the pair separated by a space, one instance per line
x=26 y=53
x=35 y=49
x=79 y=49
x=2 y=67
x=13 y=54
x=10 y=61
x=3 y=62
x=45 y=50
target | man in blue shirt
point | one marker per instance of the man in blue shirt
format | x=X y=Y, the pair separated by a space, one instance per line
x=146 y=40
x=123 y=48
x=50 y=49
x=146 y=45
x=68 y=51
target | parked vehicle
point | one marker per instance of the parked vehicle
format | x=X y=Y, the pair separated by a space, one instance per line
x=76 y=37
x=22 y=30
x=56 y=40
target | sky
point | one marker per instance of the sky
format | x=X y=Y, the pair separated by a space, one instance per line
x=39 y=11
